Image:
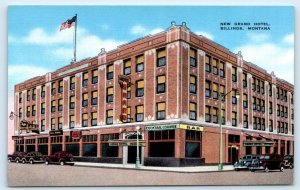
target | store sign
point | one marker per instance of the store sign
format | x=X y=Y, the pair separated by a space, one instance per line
x=14 y=138
x=258 y=143
x=190 y=127
x=75 y=134
x=124 y=102
x=23 y=124
x=161 y=127
x=126 y=143
x=56 y=132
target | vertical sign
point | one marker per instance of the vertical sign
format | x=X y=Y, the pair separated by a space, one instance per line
x=124 y=102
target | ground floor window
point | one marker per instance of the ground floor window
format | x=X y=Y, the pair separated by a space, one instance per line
x=109 y=151
x=56 y=148
x=73 y=148
x=258 y=150
x=193 y=144
x=248 y=150
x=19 y=148
x=43 y=149
x=90 y=149
x=161 y=143
x=30 y=148
x=268 y=150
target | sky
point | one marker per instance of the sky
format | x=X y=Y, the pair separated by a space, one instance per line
x=36 y=46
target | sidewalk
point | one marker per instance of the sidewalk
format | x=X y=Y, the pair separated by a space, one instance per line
x=193 y=169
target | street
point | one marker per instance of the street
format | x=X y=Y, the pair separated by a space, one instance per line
x=56 y=175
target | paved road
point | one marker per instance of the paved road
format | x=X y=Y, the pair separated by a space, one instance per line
x=55 y=175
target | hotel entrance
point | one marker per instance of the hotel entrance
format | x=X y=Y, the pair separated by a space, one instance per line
x=131 y=153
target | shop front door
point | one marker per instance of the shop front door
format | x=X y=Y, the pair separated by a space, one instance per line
x=233 y=154
x=131 y=158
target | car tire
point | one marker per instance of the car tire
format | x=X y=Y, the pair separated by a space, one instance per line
x=62 y=163
x=17 y=160
x=47 y=162
x=23 y=161
x=266 y=169
x=31 y=162
x=9 y=160
x=291 y=166
x=281 y=168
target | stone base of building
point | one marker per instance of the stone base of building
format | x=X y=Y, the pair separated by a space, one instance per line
x=173 y=162
x=98 y=160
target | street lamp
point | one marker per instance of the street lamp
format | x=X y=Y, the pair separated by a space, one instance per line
x=137 y=162
x=11 y=117
x=221 y=97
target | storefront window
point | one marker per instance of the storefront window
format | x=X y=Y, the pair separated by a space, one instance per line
x=162 y=143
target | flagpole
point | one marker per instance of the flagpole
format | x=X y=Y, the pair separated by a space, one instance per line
x=75 y=37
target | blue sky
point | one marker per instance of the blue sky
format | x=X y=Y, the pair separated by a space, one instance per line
x=36 y=46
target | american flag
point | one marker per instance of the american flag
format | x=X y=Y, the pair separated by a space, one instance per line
x=69 y=23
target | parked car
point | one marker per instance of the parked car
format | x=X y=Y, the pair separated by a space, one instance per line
x=61 y=157
x=16 y=156
x=33 y=157
x=245 y=162
x=268 y=162
x=288 y=161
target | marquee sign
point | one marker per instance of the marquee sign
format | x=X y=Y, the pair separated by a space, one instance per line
x=75 y=134
x=161 y=127
x=55 y=132
x=258 y=143
x=124 y=81
x=190 y=127
x=126 y=143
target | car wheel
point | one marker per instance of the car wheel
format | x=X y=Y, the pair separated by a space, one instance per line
x=281 y=168
x=9 y=160
x=266 y=169
x=291 y=166
x=31 y=162
x=62 y=163
x=47 y=162
x=17 y=160
x=23 y=161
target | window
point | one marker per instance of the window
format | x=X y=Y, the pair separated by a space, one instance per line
x=270 y=108
x=85 y=79
x=254 y=123
x=127 y=67
x=161 y=84
x=28 y=95
x=262 y=107
x=43 y=108
x=139 y=113
x=52 y=123
x=207 y=89
x=43 y=93
x=192 y=144
x=60 y=105
x=234 y=123
x=72 y=102
x=161 y=143
x=161 y=111
x=245 y=80
x=28 y=111
x=128 y=114
x=193 y=59
x=193 y=86
x=262 y=87
x=270 y=90
x=245 y=101
x=222 y=92
x=139 y=88
x=215 y=66
x=95 y=76
x=222 y=72
x=282 y=111
x=271 y=125
x=94 y=97
x=258 y=85
x=128 y=92
x=292 y=114
x=215 y=91
x=258 y=123
x=72 y=121
x=110 y=94
x=60 y=86
x=215 y=115
x=234 y=98
x=20 y=112
x=72 y=83
x=277 y=93
x=193 y=113
x=109 y=117
x=254 y=103
x=278 y=110
x=223 y=117
x=245 y=125
x=292 y=98
x=94 y=119
x=85 y=98
x=20 y=97
x=33 y=110
x=263 y=128
x=33 y=94
x=53 y=105
x=207 y=64
x=234 y=78
x=60 y=120
x=254 y=84
x=43 y=125
x=110 y=72
x=84 y=120
x=53 y=88
x=140 y=63
x=106 y=150
x=207 y=113
x=161 y=57
x=257 y=104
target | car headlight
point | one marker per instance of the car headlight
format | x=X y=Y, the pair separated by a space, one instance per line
x=260 y=162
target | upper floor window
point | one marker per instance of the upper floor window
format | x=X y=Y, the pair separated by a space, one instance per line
x=215 y=66
x=60 y=104
x=161 y=58
x=222 y=91
x=28 y=111
x=128 y=114
x=234 y=116
x=72 y=83
x=207 y=89
x=207 y=113
x=215 y=115
x=222 y=70
x=254 y=84
x=28 y=95
x=234 y=98
x=127 y=67
x=140 y=63
x=139 y=88
x=193 y=59
x=53 y=88
x=94 y=97
x=109 y=94
x=270 y=108
x=161 y=111
x=43 y=108
x=245 y=101
x=85 y=79
x=234 y=77
x=245 y=80
x=71 y=121
x=258 y=85
x=109 y=117
x=215 y=91
x=53 y=105
x=207 y=64
x=262 y=87
x=161 y=84
x=43 y=125
x=52 y=123
x=60 y=86
x=139 y=113
x=94 y=119
x=128 y=92
x=20 y=97
x=85 y=98
x=33 y=110
x=110 y=72
x=270 y=90
x=72 y=102
x=60 y=122
x=95 y=76
x=84 y=120
x=245 y=124
x=34 y=94
x=193 y=85
x=193 y=113
x=43 y=93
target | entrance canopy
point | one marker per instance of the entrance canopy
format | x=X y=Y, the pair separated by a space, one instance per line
x=258 y=143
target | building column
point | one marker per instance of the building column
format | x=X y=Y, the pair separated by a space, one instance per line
x=179 y=143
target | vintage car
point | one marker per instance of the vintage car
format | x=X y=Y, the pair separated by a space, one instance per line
x=61 y=157
x=268 y=162
x=16 y=157
x=245 y=162
x=33 y=157
x=288 y=161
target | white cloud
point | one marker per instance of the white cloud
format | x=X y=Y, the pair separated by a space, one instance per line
x=156 y=30
x=272 y=57
x=289 y=39
x=205 y=34
x=256 y=37
x=138 y=29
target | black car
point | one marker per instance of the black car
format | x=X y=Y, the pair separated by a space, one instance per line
x=288 y=161
x=268 y=162
x=61 y=157
x=16 y=156
x=33 y=157
x=245 y=162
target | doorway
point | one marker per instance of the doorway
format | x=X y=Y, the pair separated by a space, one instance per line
x=131 y=154
x=233 y=154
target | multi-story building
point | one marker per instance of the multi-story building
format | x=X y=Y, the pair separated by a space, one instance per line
x=168 y=84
